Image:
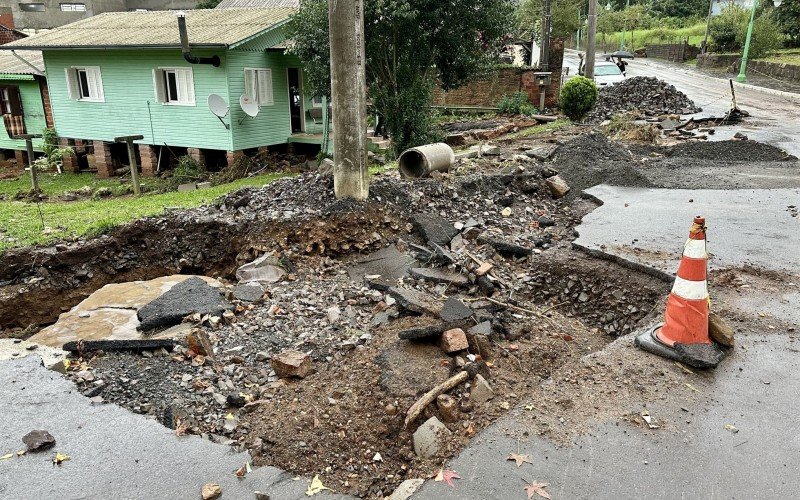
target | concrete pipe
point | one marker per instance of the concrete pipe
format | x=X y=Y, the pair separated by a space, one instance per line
x=422 y=160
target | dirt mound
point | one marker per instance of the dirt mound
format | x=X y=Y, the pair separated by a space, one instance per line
x=647 y=95
x=729 y=151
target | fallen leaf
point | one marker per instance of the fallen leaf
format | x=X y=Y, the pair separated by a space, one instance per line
x=60 y=457
x=244 y=469
x=315 y=487
x=7 y=456
x=447 y=476
x=520 y=459
x=536 y=488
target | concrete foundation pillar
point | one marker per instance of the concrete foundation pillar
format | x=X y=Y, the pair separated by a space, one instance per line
x=230 y=157
x=102 y=160
x=69 y=162
x=197 y=155
x=149 y=158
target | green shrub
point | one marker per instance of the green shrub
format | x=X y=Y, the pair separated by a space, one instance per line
x=727 y=28
x=577 y=97
x=188 y=170
x=766 y=38
x=516 y=104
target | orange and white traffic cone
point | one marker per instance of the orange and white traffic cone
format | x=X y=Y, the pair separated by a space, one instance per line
x=684 y=334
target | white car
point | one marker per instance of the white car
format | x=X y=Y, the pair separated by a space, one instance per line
x=607 y=74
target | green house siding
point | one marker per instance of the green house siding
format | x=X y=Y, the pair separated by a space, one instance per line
x=273 y=124
x=130 y=106
x=33 y=110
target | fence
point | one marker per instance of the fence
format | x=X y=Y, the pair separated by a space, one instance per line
x=679 y=51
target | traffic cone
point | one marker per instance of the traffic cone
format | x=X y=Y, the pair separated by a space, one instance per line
x=684 y=334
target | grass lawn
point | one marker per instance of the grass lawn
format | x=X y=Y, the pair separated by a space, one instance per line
x=20 y=222
x=641 y=38
x=787 y=56
x=55 y=184
x=538 y=129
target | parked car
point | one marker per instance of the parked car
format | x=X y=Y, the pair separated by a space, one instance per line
x=607 y=74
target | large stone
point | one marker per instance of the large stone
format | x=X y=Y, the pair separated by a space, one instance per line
x=720 y=330
x=438 y=275
x=383 y=267
x=416 y=301
x=248 y=292
x=510 y=249
x=188 y=297
x=481 y=390
x=558 y=186
x=429 y=438
x=479 y=344
x=110 y=313
x=454 y=310
x=542 y=153
x=292 y=364
x=38 y=440
x=434 y=228
x=264 y=269
x=454 y=340
x=432 y=329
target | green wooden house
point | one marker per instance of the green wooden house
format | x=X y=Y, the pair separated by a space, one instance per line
x=122 y=74
x=23 y=102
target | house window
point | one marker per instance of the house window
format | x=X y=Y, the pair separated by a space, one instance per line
x=258 y=85
x=174 y=86
x=85 y=84
x=11 y=109
x=31 y=7
x=316 y=101
x=73 y=7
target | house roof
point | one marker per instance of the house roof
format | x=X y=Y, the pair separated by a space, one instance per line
x=12 y=65
x=257 y=4
x=158 y=29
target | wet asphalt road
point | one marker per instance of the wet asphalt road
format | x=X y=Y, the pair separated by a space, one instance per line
x=775 y=116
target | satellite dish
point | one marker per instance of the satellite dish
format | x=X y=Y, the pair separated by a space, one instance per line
x=217 y=105
x=249 y=106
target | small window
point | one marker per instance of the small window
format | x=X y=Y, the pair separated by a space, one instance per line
x=85 y=84
x=10 y=101
x=316 y=101
x=174 y=86
x=138 y=10
x=258 y=85
x=73 y=7
x=31 y=7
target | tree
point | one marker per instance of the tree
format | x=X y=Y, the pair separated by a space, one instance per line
x=679 y=8
x=564 y=17
x=788 y=17
x=766 y=37
x=726 y=28
x=410 y=46
x=207 y=4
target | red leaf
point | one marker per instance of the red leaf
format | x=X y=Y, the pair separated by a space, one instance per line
x=536 y=488
x=447 y=476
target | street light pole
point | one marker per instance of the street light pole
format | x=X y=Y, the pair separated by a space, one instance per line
x=708 y=25
x=591 y=40
x=741 y=78
x=624 y=26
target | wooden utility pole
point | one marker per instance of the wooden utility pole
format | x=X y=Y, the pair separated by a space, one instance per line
x=591 y=40
x=29 y=147
x=128 y=139
x=544 y=55
x=348 y=89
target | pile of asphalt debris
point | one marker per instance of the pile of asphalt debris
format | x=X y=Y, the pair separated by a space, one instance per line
x=648 y=96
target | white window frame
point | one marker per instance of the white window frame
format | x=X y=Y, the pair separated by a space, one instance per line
x=72 y=7
x=259 y=85
x=94 y=83
x=316 y=101
x=186 y=94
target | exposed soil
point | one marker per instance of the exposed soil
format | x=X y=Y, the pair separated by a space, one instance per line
x=735 y=151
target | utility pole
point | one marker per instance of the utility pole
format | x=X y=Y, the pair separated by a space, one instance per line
x=591 y=40
x=544 y=54
x=348 y=89
x=704 y=48
x=741 y=77
x=624 y=26
x=128 y=140
x=28 y=138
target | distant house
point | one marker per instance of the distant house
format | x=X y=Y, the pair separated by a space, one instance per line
x=717 y=6
x=24 y=102
x=121 y=74
x=257 y=4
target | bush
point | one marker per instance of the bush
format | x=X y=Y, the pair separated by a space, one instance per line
x=516 y=104
x=188 y=170
x=727 y=28
x=766 y=38
x=577 y=97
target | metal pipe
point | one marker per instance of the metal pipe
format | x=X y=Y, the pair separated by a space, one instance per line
x=422 y=160
x=187 y=53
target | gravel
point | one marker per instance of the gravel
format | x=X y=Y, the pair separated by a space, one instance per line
x=647 y=95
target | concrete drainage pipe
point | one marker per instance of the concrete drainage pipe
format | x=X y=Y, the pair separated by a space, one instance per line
x=422 y=160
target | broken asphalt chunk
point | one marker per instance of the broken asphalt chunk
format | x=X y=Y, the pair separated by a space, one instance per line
x=416 y=301
x=454 y=310
x=434 y=228
x=422 y=332
x=190 y=296
x=383 y=268
x=439 y=276
x=119 y=345
x=510 y=249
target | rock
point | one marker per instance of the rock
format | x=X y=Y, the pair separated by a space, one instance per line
x=190 y=296
x=739 y=136
x=484 y=269
x=558 y=186
x=422 y=332
x=261 y=495
x=429 y=438
x=334 y=314
x=388 y=264
x=120 y=345
x=479 y=344
x=485 y=285
x=510 y=249
x=248 y=292
x=719 y=330
x=454 y=310
x=182 y=188
x=436 y=275
x=545 y=222
x=265 y=269
x=416 y=301
x=262 y=356
x=406 y=489
x=210 y=491
x=448 y=408
x=442 y=255
x=481 y=390
x=326 y=167
x=434 y=228
x=454 y=340
x=483 y=328
x=38 y=440
x=292 y=363
x=506 y=212
x=235 y=400
x=542 y=153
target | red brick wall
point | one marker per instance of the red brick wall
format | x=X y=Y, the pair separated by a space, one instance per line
x=7 y=35
x=48 y=109
x=505 y=81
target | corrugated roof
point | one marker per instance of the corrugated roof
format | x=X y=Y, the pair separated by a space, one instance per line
x=206 y=27
x=257 y=4
x=11 y=65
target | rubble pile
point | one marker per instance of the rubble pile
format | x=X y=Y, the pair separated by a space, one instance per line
x=648 y=96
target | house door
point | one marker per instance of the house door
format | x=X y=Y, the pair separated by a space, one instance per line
x=295 y=100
